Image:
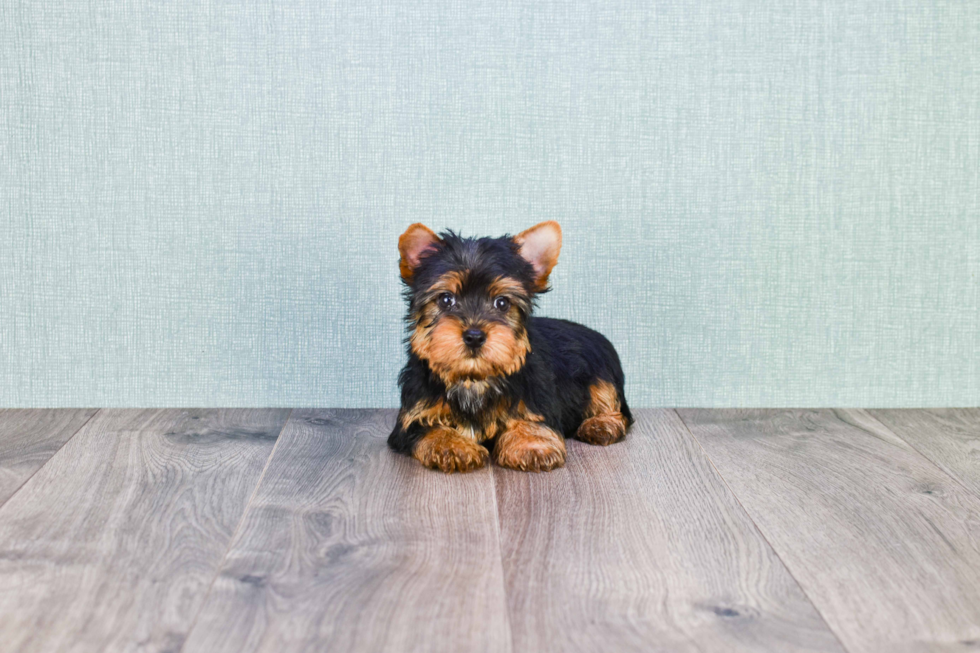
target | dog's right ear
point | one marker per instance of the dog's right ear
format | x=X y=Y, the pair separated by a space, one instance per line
x=416 y=240
x=540 y=246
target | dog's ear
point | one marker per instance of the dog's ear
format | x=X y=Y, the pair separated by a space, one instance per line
x=539 y=246
x=416 y=240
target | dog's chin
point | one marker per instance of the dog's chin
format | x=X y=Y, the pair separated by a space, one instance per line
x=465 y=369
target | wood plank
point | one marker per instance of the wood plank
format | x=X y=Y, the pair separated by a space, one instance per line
x=640 y=547
x=112 y=545
x=885 y=544
x=949 y=437
x=28 y=438
x=350 y=547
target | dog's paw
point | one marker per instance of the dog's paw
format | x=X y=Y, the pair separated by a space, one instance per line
x=602 y=429
x=529 y=447
x=449 y=451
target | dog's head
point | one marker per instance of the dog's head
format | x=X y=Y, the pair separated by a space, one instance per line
x=470 y=298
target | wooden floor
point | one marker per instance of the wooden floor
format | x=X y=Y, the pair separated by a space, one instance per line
x=274 y=530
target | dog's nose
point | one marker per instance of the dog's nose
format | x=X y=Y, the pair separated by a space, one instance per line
x=474 y=338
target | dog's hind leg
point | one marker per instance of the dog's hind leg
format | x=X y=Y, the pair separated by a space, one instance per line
x=602 y=422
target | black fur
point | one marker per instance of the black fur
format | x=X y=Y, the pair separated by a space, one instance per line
x=565 y=358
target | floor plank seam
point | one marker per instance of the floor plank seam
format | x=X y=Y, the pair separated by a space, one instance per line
x=761 y=533
x=63 y=444
x=500 y=558
x=911 y=446
x=234 y=535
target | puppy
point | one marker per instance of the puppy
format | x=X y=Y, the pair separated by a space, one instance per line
x=486 y=378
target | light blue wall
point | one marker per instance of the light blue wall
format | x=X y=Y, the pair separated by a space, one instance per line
x=764 y=203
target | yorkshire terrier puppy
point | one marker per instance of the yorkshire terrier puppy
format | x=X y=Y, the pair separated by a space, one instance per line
x=483 y=374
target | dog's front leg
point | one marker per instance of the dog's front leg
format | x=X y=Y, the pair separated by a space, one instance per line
x=530 y=447
x=449 y=450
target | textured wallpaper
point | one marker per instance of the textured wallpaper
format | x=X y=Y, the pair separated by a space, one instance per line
x=764 y=203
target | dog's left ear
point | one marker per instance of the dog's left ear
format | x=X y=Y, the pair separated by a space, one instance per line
x=539 y=246
x=416 y=240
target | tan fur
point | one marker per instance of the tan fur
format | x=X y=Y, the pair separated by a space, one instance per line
x=450 y=282
x=448 y=450
x=490 y=429
x=603 y=423
x=602 y=430
x=411 y=245
x=605 y=399
x=540 y=246
x=495 y=420
x=438 y=338
x=530 y=447
x=526 y=414
x=443 y=348
x=506 y=286
x=504 y=350
x=419 y=340
x=440 y=414
x=428 y=414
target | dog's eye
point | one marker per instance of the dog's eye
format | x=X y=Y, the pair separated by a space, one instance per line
x=501 y=304
x=447 y=300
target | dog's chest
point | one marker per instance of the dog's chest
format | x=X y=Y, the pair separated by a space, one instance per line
x=472 y=398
